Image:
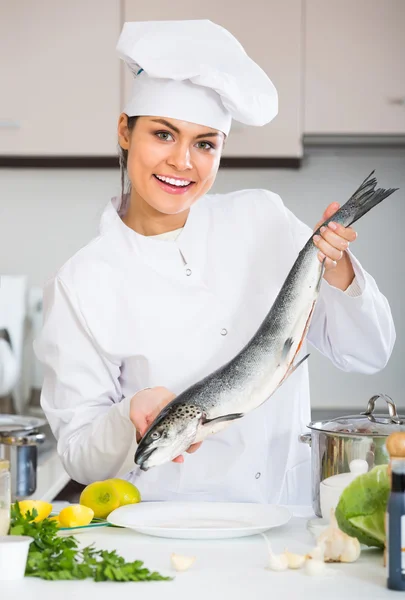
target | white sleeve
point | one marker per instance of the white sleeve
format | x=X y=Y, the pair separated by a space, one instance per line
x=355 y=331
x=81 y=394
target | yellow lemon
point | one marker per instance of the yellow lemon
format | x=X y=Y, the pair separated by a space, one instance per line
x=75 y=516
x=55 y=518
x=43 y=508
x=102 y=497
x=128 y=493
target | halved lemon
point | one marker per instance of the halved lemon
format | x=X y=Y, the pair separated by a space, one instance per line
x=43 y=508
x=75 y=516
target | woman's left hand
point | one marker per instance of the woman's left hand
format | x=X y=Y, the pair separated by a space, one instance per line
x=333 y=241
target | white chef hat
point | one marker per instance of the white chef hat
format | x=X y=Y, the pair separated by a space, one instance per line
x=194 y=71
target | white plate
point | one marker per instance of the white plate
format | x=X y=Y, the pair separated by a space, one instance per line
x=205 y=520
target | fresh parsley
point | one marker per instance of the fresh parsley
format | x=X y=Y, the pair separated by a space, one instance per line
x=54 y=557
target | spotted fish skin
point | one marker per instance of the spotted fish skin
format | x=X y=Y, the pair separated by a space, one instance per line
x=255 y=373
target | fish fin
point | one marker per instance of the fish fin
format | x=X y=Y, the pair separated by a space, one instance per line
x=291 y=370
x=366 y=197
x=290 y=341
x=363 y=200
x=286 y=348
x=295 y=367
x=230 y=417
x=305 y=329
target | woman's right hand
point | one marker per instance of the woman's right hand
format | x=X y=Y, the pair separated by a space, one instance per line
x=146 y=405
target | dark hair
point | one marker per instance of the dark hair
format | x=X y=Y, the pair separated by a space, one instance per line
x=123 y=161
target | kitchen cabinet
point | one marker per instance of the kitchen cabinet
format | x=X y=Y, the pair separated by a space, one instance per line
x=354 y=67
x=271 y=33
x=60 y=78
x=337 y=66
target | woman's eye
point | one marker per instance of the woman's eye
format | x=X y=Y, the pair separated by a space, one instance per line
x=204 y=146
x=164 y=135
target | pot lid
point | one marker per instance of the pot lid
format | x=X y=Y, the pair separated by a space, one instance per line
x=13 y=423
x=366 y=423
x=357 y=467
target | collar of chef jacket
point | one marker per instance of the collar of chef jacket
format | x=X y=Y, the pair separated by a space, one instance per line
x=170 y=258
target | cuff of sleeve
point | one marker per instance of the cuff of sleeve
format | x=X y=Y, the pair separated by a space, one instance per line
x=359 y=283
x=354 y=289
x=124 y=406
x=128 y=464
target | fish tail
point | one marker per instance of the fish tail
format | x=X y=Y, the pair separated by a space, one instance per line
x=363 y=200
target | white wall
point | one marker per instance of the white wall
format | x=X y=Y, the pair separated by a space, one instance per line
x=46 y=215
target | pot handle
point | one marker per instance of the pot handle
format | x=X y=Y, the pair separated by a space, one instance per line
x=392 y=409
x=305 y=438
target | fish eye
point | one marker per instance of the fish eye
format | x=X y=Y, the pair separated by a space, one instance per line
x=155 y=435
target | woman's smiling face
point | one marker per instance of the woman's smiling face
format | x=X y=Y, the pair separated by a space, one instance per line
x=171 y=163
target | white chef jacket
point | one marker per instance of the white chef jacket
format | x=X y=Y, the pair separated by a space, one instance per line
x=130 y=311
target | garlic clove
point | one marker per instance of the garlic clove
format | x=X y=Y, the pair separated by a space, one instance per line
x=318 y=553
x=278 y=562
x=294 y=561
x=314 y=566
x=351 y=552
x=182 y=563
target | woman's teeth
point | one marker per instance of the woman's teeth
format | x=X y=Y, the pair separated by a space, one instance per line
x=176 y=182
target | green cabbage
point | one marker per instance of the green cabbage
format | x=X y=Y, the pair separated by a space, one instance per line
x=361 y=509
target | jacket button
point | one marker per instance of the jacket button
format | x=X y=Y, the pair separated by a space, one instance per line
x=258 y=475
x=188 y=272
x=224 y=331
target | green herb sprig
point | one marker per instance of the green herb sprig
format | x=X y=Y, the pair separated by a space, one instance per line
x=53 y=557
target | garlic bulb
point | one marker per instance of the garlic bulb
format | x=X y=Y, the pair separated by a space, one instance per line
x=338 y=546
x=182 y=563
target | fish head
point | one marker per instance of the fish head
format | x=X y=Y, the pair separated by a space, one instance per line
x=170 y=434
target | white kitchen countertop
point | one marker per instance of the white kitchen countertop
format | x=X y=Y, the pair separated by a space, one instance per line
x=224 y=569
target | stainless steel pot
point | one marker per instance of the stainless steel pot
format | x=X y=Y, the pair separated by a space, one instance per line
x=19 y=438
x=336 y=442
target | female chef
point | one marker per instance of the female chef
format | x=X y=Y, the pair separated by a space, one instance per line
x=178 y=281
